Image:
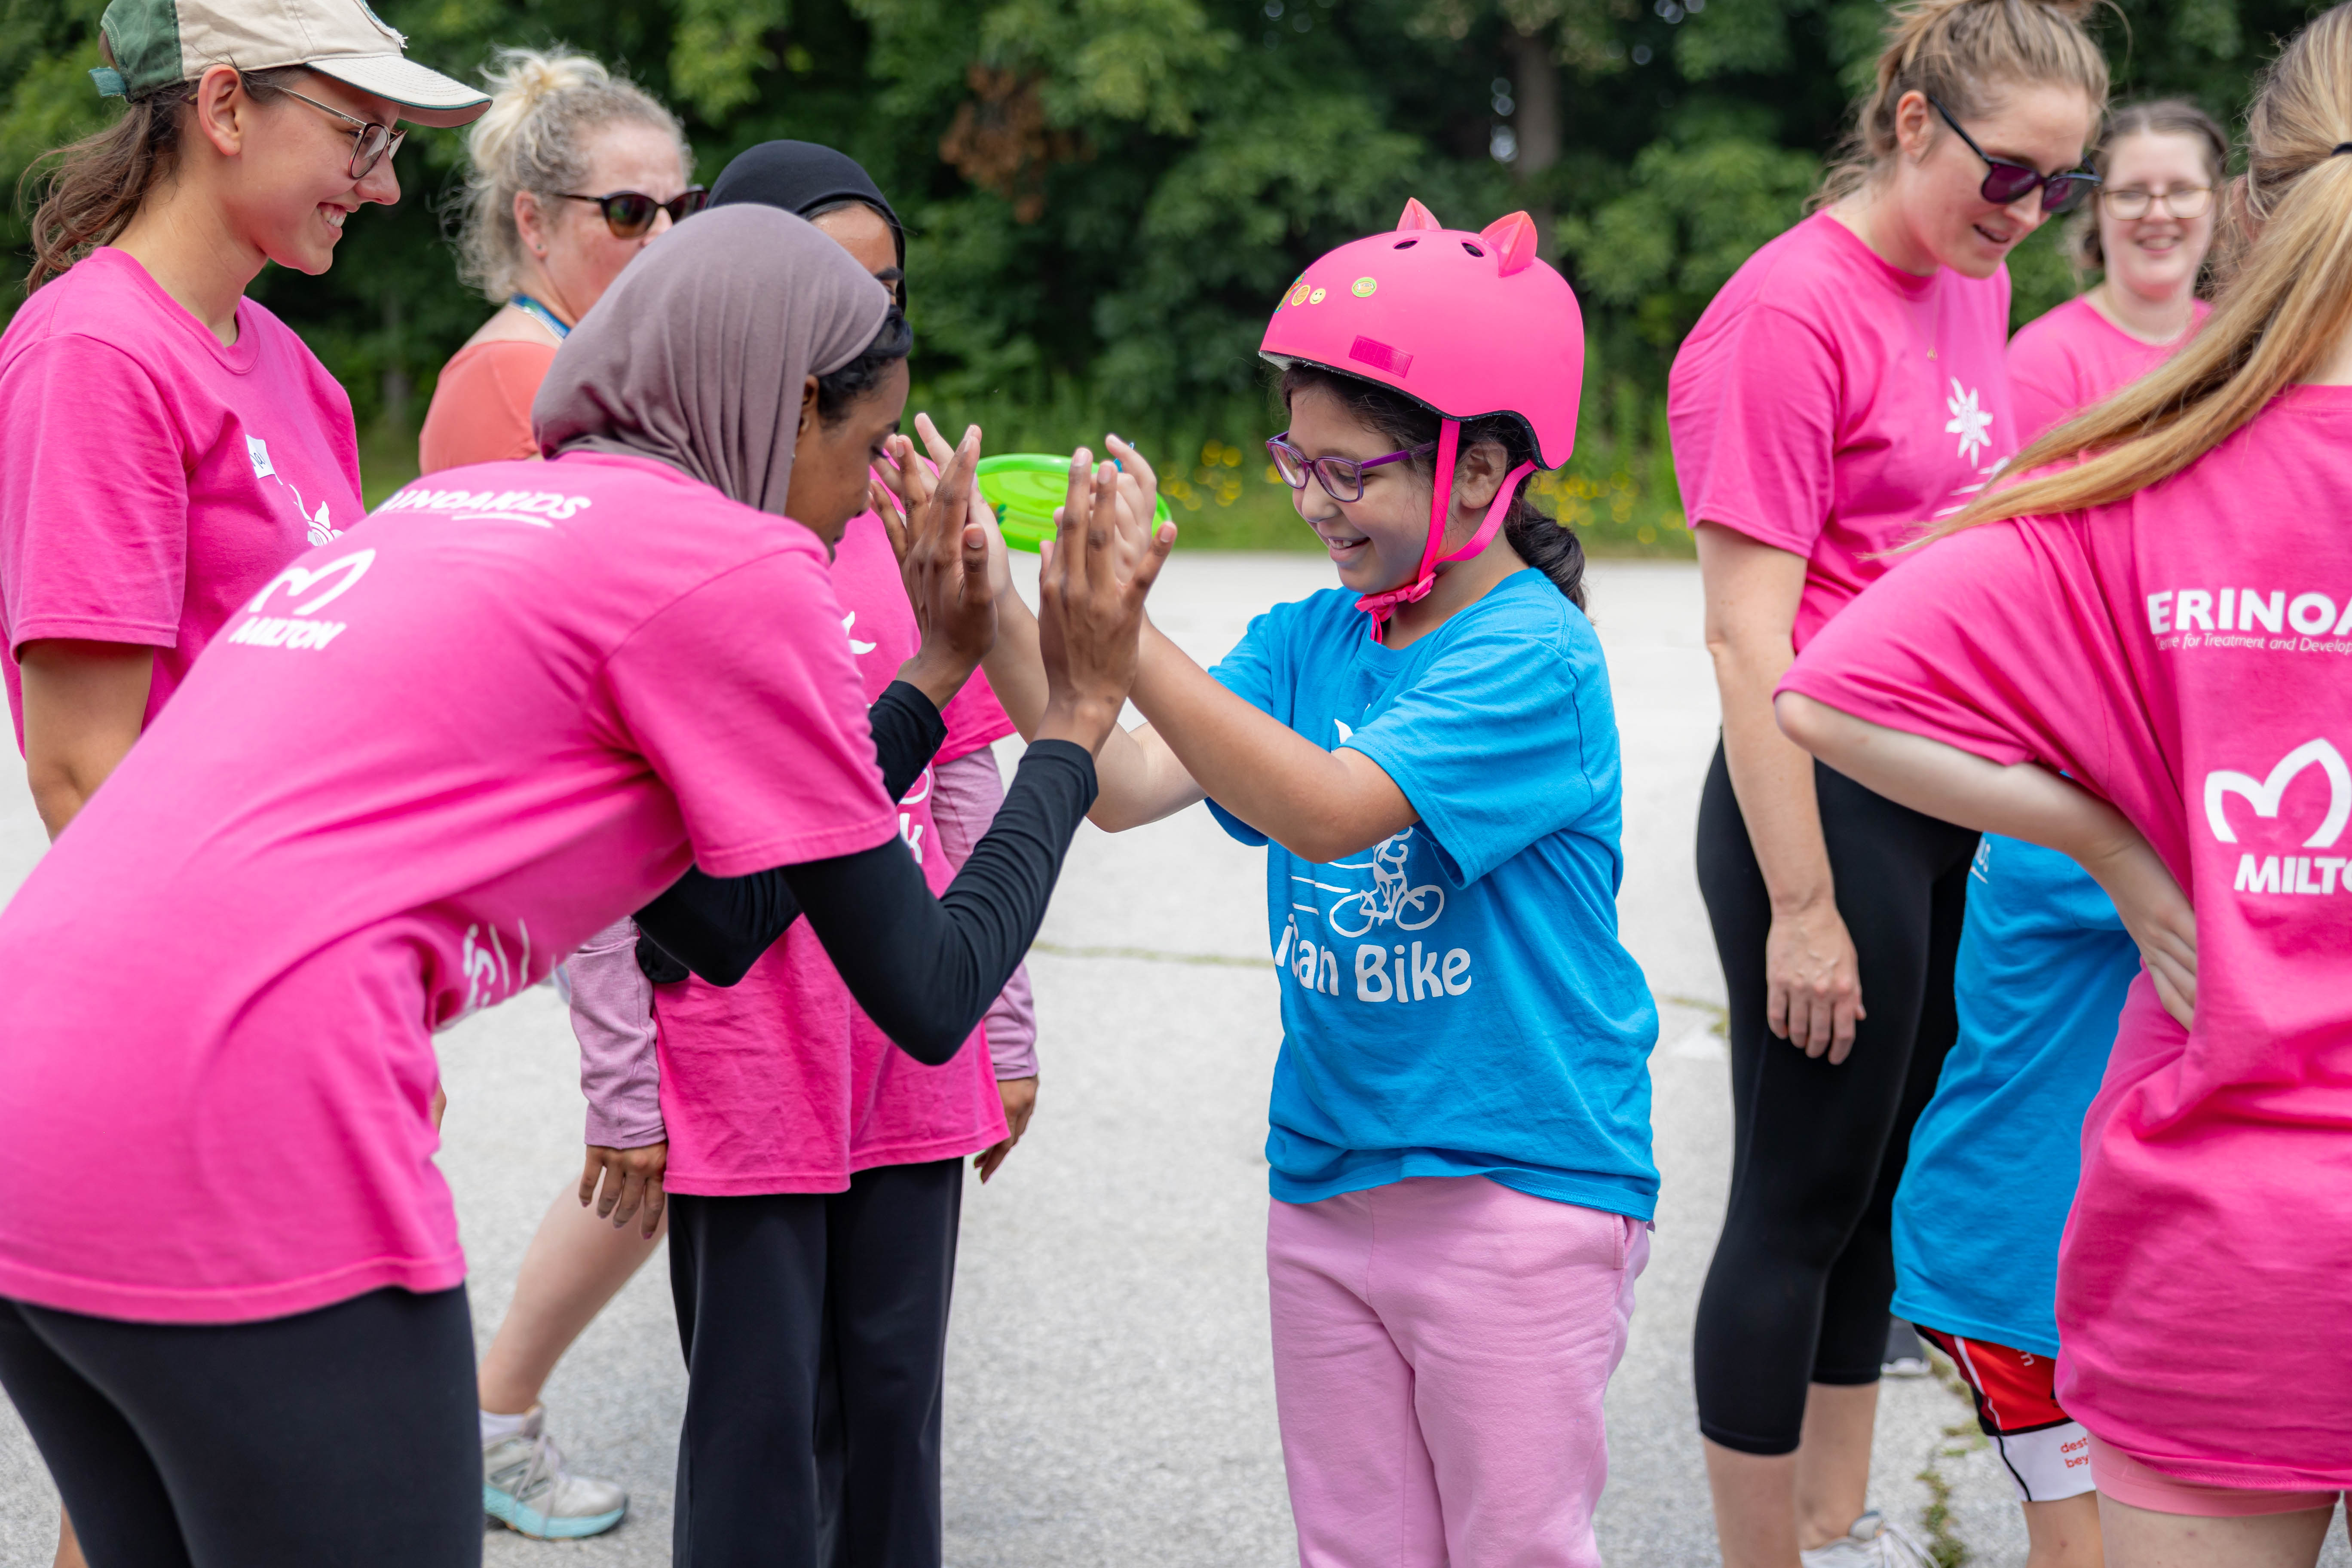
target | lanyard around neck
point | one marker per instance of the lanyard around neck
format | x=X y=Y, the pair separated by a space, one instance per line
x=541 y=314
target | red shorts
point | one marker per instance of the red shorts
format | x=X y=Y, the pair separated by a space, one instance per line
x=2047 y=1452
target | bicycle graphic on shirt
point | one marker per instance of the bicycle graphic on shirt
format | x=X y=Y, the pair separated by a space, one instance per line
x=1389 y=900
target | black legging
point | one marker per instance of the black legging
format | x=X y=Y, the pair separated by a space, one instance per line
x=1799 y=1289
x=815 y=1327
x=345 y=1435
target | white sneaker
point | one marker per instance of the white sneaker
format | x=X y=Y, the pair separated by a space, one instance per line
x=1871 y=1542
x=526 y=1488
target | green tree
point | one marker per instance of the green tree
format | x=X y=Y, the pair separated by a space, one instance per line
x=1107 y=196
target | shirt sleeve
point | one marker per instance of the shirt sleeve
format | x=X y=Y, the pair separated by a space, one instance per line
x=613 y=1019
x=481 y=411
x=1772 y=403
x=965 y=794
x=742 y=696
x=1500 y=742
x=1985 y=641
x=93 y=499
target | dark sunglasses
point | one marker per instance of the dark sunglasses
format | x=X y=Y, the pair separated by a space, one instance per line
x=370 y=143
x=1342 y=477
x=629 y=213
x=2006 y=180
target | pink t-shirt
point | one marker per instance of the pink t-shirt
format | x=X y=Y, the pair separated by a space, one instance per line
x=2187 y=654
x=153 y=480
x=438 y=753
x=780 y=1084
x=2062 y=363
x=1831 y=405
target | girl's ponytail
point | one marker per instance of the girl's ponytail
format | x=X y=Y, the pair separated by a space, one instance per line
x=2285 y=300
x=1955 y=51
x=1543 y=542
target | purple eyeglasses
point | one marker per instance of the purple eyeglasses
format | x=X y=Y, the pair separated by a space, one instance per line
x=1342 y=478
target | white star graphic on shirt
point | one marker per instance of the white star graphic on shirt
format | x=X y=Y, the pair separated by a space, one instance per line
x=848 y=621
x=1971 y=423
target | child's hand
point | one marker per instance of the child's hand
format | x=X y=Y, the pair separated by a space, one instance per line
x=1020 y=1095
x=1140 y=486
x=981 y=515
x=943 y=556
x=632 y=1181
x=1090 y=627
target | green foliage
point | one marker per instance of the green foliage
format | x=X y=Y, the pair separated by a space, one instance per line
x=1107 y=196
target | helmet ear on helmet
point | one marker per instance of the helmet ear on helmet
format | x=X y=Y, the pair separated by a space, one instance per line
x=1417 y=216
x=1513 y=240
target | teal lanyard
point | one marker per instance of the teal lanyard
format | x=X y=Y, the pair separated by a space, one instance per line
x=541 y=314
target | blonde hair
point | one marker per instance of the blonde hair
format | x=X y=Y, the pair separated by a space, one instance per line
x=1953 y=51
x=2154 y=117
x=544 y=107
x=2285 y=302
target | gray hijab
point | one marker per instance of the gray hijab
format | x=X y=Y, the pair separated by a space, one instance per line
x=698 y=354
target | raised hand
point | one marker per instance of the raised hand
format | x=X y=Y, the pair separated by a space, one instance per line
x=943 y=557
x=1139 y=485
x=1090 y=623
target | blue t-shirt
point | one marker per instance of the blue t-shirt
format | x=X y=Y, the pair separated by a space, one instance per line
x=1455 y=1000
x=2045 y=962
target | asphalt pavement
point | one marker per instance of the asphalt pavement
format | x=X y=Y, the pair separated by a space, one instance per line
x=1109 y=1398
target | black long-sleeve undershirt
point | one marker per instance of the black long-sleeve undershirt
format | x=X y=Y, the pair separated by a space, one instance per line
x=717 y=926
x=923 y=969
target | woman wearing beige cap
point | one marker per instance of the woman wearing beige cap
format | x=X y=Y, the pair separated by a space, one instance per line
x=251 y=135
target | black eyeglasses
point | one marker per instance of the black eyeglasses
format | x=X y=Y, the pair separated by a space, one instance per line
x=2006 y=180
x=370 y=143
x=629 y=213
x=1342 y=477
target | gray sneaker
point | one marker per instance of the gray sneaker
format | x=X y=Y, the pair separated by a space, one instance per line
x=1871 y=1543
x=526 y=1488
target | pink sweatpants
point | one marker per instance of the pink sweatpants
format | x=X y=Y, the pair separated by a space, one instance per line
x=1441 y=1348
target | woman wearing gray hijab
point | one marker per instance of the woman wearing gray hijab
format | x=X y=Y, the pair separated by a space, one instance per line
x=432 y=756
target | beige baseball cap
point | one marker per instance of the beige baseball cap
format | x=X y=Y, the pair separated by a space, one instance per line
x=155 y=43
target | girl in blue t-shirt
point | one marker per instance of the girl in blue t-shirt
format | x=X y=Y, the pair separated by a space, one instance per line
x=1460 y=1148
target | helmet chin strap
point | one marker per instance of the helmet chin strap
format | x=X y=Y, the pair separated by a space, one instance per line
x=1380 y=606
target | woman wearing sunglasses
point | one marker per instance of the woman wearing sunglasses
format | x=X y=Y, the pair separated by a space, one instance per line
x=227 y=449
x=1846 y=388
x=572 y=170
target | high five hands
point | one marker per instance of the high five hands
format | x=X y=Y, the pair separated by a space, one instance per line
x=949 y=553
x=1092 y=582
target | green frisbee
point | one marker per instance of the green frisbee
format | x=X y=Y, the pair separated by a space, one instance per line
x=1025 y=488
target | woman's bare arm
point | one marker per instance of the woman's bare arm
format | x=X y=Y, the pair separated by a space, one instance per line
x=84 y=705
x=2022 y=801
x=1813 y=979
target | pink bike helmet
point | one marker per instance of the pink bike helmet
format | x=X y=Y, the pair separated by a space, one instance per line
x=1465 y=324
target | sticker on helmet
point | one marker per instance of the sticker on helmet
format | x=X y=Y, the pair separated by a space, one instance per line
x=1316 y=297
x=1298 y=295
x=1362 y=287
